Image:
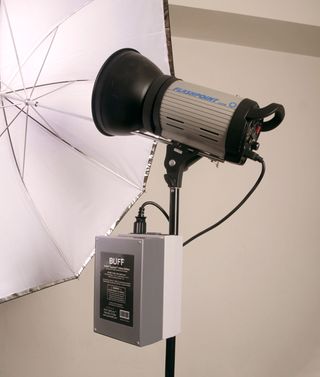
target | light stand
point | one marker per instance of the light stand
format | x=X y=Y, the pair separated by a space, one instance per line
x=132 y=96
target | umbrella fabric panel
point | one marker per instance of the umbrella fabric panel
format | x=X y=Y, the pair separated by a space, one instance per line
x=23 y=25
x=67 y=112
x=75 y=47
x=101 y=28
x=21 y=230
x=76 y=196
x=14 y=119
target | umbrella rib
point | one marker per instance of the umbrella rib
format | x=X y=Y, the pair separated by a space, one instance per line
x=45 y=59
x=65 y=112
x=50 y=128
x=44 y=225
x=9 y=124
x=67 y=83
x=6 y=97
x=10 y=140
x=13 y=90
x=47 y=84
x=25 y=142
x=6 y=106
x=66 y=143
x=15 y=47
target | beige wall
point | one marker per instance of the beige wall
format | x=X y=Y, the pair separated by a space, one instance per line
x=303 y=12
x=255 y=280
x=251 y=302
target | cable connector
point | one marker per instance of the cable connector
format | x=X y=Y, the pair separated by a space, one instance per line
x=140 y=225
x=254 y=156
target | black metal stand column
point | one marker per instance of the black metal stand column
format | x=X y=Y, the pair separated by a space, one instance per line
x=178 y=158
x=173 y=230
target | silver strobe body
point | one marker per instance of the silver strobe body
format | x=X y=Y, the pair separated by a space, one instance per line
x=198 y=117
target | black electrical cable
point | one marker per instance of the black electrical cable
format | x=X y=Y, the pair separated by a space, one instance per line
x=229 y=214
x=155 y=205
x=263 y=170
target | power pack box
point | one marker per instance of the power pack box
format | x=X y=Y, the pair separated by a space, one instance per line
x=138 y=287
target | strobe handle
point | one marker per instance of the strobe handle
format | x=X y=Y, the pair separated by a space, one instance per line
x=260 y=113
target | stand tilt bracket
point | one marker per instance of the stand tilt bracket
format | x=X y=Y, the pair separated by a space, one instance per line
x=178 y=159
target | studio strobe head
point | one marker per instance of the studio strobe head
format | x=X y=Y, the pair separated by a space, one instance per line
x=132 y=94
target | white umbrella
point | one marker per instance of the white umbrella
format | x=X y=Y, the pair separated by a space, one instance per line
x=62 y=182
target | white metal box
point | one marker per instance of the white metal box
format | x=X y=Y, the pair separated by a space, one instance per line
x=138 y=287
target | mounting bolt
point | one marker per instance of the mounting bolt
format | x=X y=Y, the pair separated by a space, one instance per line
x=172 y=163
